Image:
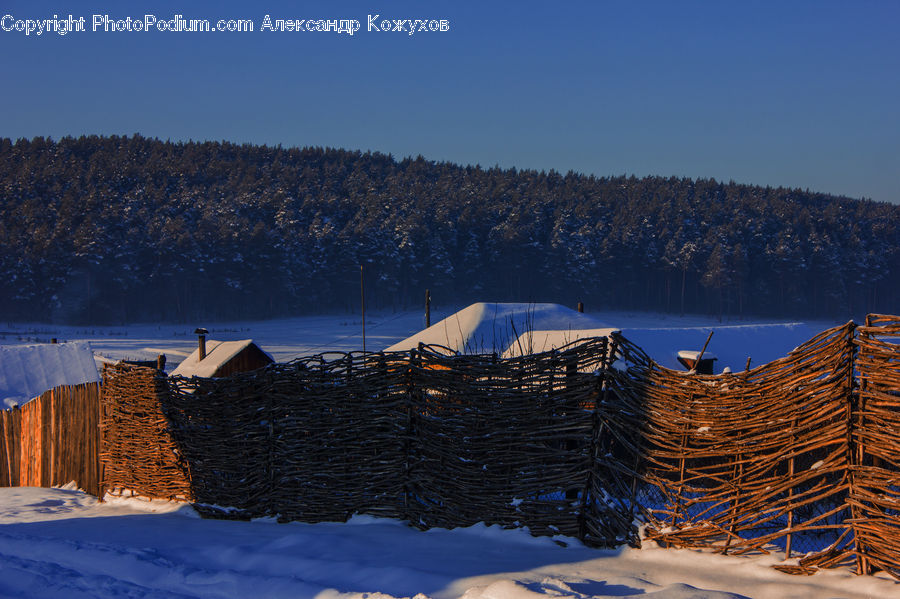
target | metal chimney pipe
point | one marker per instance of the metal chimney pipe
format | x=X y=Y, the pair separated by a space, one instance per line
x=201 y=342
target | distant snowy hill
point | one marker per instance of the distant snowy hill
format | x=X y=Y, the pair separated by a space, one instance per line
x=129 y=229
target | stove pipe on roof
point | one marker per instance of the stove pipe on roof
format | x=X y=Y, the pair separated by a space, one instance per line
x=201 y=342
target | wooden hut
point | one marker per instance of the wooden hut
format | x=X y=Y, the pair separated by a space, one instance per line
x=223 y=358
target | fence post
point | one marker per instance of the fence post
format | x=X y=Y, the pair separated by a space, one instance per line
x=790 y=515
x=737 y=475
x=411 y=396
x=682 y=460
x=597 y=424
x=7 y=432
x=855 y=449
x=270 y=466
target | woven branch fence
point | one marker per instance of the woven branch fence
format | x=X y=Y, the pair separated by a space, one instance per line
x=52 y=440
x=874 y=495
x=801 y=454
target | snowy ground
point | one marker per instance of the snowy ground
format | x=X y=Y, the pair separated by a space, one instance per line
x=63 y=543
x=661 y=336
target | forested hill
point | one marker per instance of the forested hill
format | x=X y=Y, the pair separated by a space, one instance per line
x=128 y=228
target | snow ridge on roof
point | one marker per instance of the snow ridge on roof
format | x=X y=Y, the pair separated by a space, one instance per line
x=26 y=371
x=494 y=327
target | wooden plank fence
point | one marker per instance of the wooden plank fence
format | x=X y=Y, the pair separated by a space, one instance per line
x=53 y=440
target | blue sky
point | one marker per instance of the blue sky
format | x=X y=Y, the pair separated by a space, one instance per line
x=799 y=94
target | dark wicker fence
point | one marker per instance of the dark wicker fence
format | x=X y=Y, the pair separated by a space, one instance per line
x=802 y=453
x=52 y=440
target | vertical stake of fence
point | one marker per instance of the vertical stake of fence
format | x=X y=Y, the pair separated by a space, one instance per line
x=737 y=475
x=568 y=444
x=587 y=498
x=860 y=446
x=553 y=365
x=271 y=465
x=683 y=447
x=6 y=434
x=790 y=515
x=854 y=448
x=410 y=400
x=638 y=445
x=381 y=368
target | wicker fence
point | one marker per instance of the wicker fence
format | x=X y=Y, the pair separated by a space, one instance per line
x=136 y=446
x=875 y=463
x=802 y=453
x=53 y=440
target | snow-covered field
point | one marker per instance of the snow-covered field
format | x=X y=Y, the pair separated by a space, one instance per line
x=63 y=543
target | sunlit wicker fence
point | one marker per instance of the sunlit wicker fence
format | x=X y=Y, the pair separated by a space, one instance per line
x=801 y=455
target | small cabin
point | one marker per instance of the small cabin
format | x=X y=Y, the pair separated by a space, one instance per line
x=214 y=359
x=692 y=360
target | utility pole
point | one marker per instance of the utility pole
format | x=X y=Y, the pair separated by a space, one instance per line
x=362 y=295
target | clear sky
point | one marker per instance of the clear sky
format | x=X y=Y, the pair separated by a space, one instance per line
x=791 y=93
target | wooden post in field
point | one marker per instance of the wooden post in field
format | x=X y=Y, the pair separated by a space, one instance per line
x=581 y=307
x=427 y=308
x=703 y=351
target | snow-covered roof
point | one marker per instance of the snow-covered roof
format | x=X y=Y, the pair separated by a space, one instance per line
x=494 y=327
x=688 y=354
x=218 y=353
x=26 y=371
x=535 y=342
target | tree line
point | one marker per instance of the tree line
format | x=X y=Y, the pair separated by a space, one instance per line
x=123 y=229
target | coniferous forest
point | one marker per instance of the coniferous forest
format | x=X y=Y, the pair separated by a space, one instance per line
x=125 y=229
